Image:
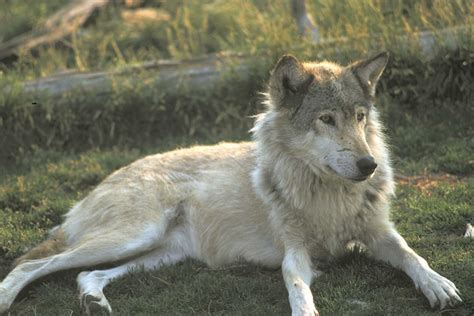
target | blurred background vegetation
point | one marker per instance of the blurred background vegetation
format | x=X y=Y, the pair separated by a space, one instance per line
x=435 y=88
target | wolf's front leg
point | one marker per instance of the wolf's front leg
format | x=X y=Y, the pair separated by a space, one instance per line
x=298 y=274
x=392 y=248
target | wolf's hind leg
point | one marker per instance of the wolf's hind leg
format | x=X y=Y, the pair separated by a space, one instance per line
x=91 y=284
x=105 y=248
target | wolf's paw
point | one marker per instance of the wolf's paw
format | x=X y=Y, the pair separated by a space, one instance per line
x=305 y=310
x=95 y=304
x=301 y=302
x=437 y=289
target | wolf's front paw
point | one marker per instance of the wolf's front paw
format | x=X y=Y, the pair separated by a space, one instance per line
x=301 y=302
x=305 y=310
x=437 y=289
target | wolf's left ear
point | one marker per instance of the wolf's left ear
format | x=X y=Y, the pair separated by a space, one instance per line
x=370 y=70
x=289 y=83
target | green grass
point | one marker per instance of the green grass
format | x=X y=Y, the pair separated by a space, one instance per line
x=199 y=27
x=439 y=140
x=23 y=16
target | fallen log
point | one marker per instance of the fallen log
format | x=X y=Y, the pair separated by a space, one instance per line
x=167 y=74
x=200 y=72
x=59 y=25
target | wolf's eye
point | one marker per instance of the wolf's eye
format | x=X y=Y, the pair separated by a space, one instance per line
x=327 y=119
x=360 y=116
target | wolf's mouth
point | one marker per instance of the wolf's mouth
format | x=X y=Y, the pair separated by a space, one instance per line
x=355 y=179
x=331 y=170
x=360 y=179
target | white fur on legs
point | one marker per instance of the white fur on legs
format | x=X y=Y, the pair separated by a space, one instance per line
x=298 y=275
x=5 y=300
x=91 y=284
x=91 y=252
x=392 y=248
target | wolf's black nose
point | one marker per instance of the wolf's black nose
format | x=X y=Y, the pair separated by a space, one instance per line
x=366 y=165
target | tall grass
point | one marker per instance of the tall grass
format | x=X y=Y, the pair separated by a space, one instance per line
x=261 y=29
x=199 y=27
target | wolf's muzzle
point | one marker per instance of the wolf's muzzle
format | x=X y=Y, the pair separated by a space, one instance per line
x=366 y=165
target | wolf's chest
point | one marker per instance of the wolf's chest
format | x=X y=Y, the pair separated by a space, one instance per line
x=334 y=221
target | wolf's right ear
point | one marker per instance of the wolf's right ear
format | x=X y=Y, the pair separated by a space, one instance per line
x=289 y=83
x=369 y=71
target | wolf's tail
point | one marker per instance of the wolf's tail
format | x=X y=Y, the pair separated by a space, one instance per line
x=55 y=244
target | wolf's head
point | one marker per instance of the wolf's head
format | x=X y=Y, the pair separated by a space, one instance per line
x=323 y=113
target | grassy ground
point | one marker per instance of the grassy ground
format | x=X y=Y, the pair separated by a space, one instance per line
x=58 y=153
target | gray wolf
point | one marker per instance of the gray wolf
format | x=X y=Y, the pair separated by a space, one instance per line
x=315 y=178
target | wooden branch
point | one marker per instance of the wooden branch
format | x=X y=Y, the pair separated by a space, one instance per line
x=304 y=19
x=201 y=73
x=166 y=75
x=62 y=23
